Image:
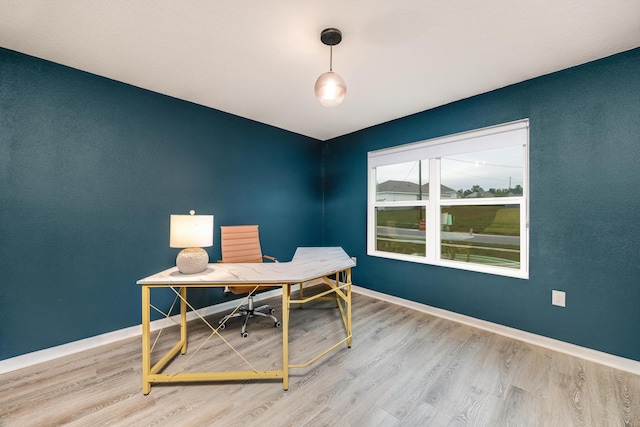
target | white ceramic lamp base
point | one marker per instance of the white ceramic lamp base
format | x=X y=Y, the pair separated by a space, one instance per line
x=192 y=260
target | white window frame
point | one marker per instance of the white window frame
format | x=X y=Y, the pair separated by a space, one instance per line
x=494 y=137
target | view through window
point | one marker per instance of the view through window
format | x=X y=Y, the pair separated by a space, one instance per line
x=459 y=201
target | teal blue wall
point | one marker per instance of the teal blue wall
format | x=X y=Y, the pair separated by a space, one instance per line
x=585 y=208
x=91 y=169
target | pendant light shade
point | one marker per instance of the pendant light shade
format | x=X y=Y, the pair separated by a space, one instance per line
x=330 y=88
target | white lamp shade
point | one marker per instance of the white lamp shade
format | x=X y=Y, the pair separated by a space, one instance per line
x=191 y=231
x=330 y=89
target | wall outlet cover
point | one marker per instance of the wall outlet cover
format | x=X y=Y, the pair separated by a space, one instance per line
x=558 y=298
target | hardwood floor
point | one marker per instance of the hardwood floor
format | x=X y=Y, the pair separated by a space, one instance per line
x=405 y=368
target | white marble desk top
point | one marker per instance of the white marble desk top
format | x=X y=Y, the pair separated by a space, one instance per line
x=307 y=264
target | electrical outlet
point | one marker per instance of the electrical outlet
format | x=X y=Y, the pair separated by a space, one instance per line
x=558 y=298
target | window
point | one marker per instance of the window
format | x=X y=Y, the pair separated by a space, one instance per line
x=459 y=201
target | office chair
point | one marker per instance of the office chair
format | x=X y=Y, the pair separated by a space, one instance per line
x=241 y=243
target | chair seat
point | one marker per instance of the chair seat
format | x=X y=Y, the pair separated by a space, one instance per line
x=239 y=290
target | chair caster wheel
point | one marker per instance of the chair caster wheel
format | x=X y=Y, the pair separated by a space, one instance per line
x=222 y=326
x=273 y=311
x=244 y=334
x=277 y=324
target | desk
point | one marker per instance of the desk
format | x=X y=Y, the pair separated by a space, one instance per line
x=307 y=264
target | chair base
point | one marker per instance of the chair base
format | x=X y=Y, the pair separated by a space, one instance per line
x=247 y=312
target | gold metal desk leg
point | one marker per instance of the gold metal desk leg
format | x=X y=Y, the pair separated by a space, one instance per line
x=301 y=296
x=286 y=293
x=349 y=307
x=183 y=319
x=146 y=340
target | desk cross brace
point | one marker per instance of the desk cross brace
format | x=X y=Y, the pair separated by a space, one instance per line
x=342 y=294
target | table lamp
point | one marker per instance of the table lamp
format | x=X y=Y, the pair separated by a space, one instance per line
x=446 y=220
x=192 y=232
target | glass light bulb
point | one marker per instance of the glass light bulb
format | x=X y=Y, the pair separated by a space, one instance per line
x=330 y=89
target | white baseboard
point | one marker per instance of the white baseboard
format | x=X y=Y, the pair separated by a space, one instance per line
x=602 y=358
x=606 y=359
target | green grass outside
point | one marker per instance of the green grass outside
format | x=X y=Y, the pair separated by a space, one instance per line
x=408 y=218
x=398 y=247
x=482 y=219
x=505 y=223
x=473 y=254
x=496 y=220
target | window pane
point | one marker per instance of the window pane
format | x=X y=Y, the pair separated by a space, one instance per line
x=401 y=230
x=491 y=173
x=403 y=181
x=486 y=234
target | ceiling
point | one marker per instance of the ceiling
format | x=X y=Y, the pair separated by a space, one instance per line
x=259 y=59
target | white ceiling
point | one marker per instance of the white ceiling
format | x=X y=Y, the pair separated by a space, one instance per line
x=259 y=59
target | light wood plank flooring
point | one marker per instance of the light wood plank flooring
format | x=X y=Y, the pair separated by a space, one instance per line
x=405 y=368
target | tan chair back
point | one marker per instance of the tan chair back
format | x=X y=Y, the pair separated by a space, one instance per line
x=240 y=243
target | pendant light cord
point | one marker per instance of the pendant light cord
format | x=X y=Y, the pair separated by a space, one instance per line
x=330 y=58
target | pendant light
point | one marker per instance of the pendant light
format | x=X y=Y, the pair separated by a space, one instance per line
x=330 y=88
